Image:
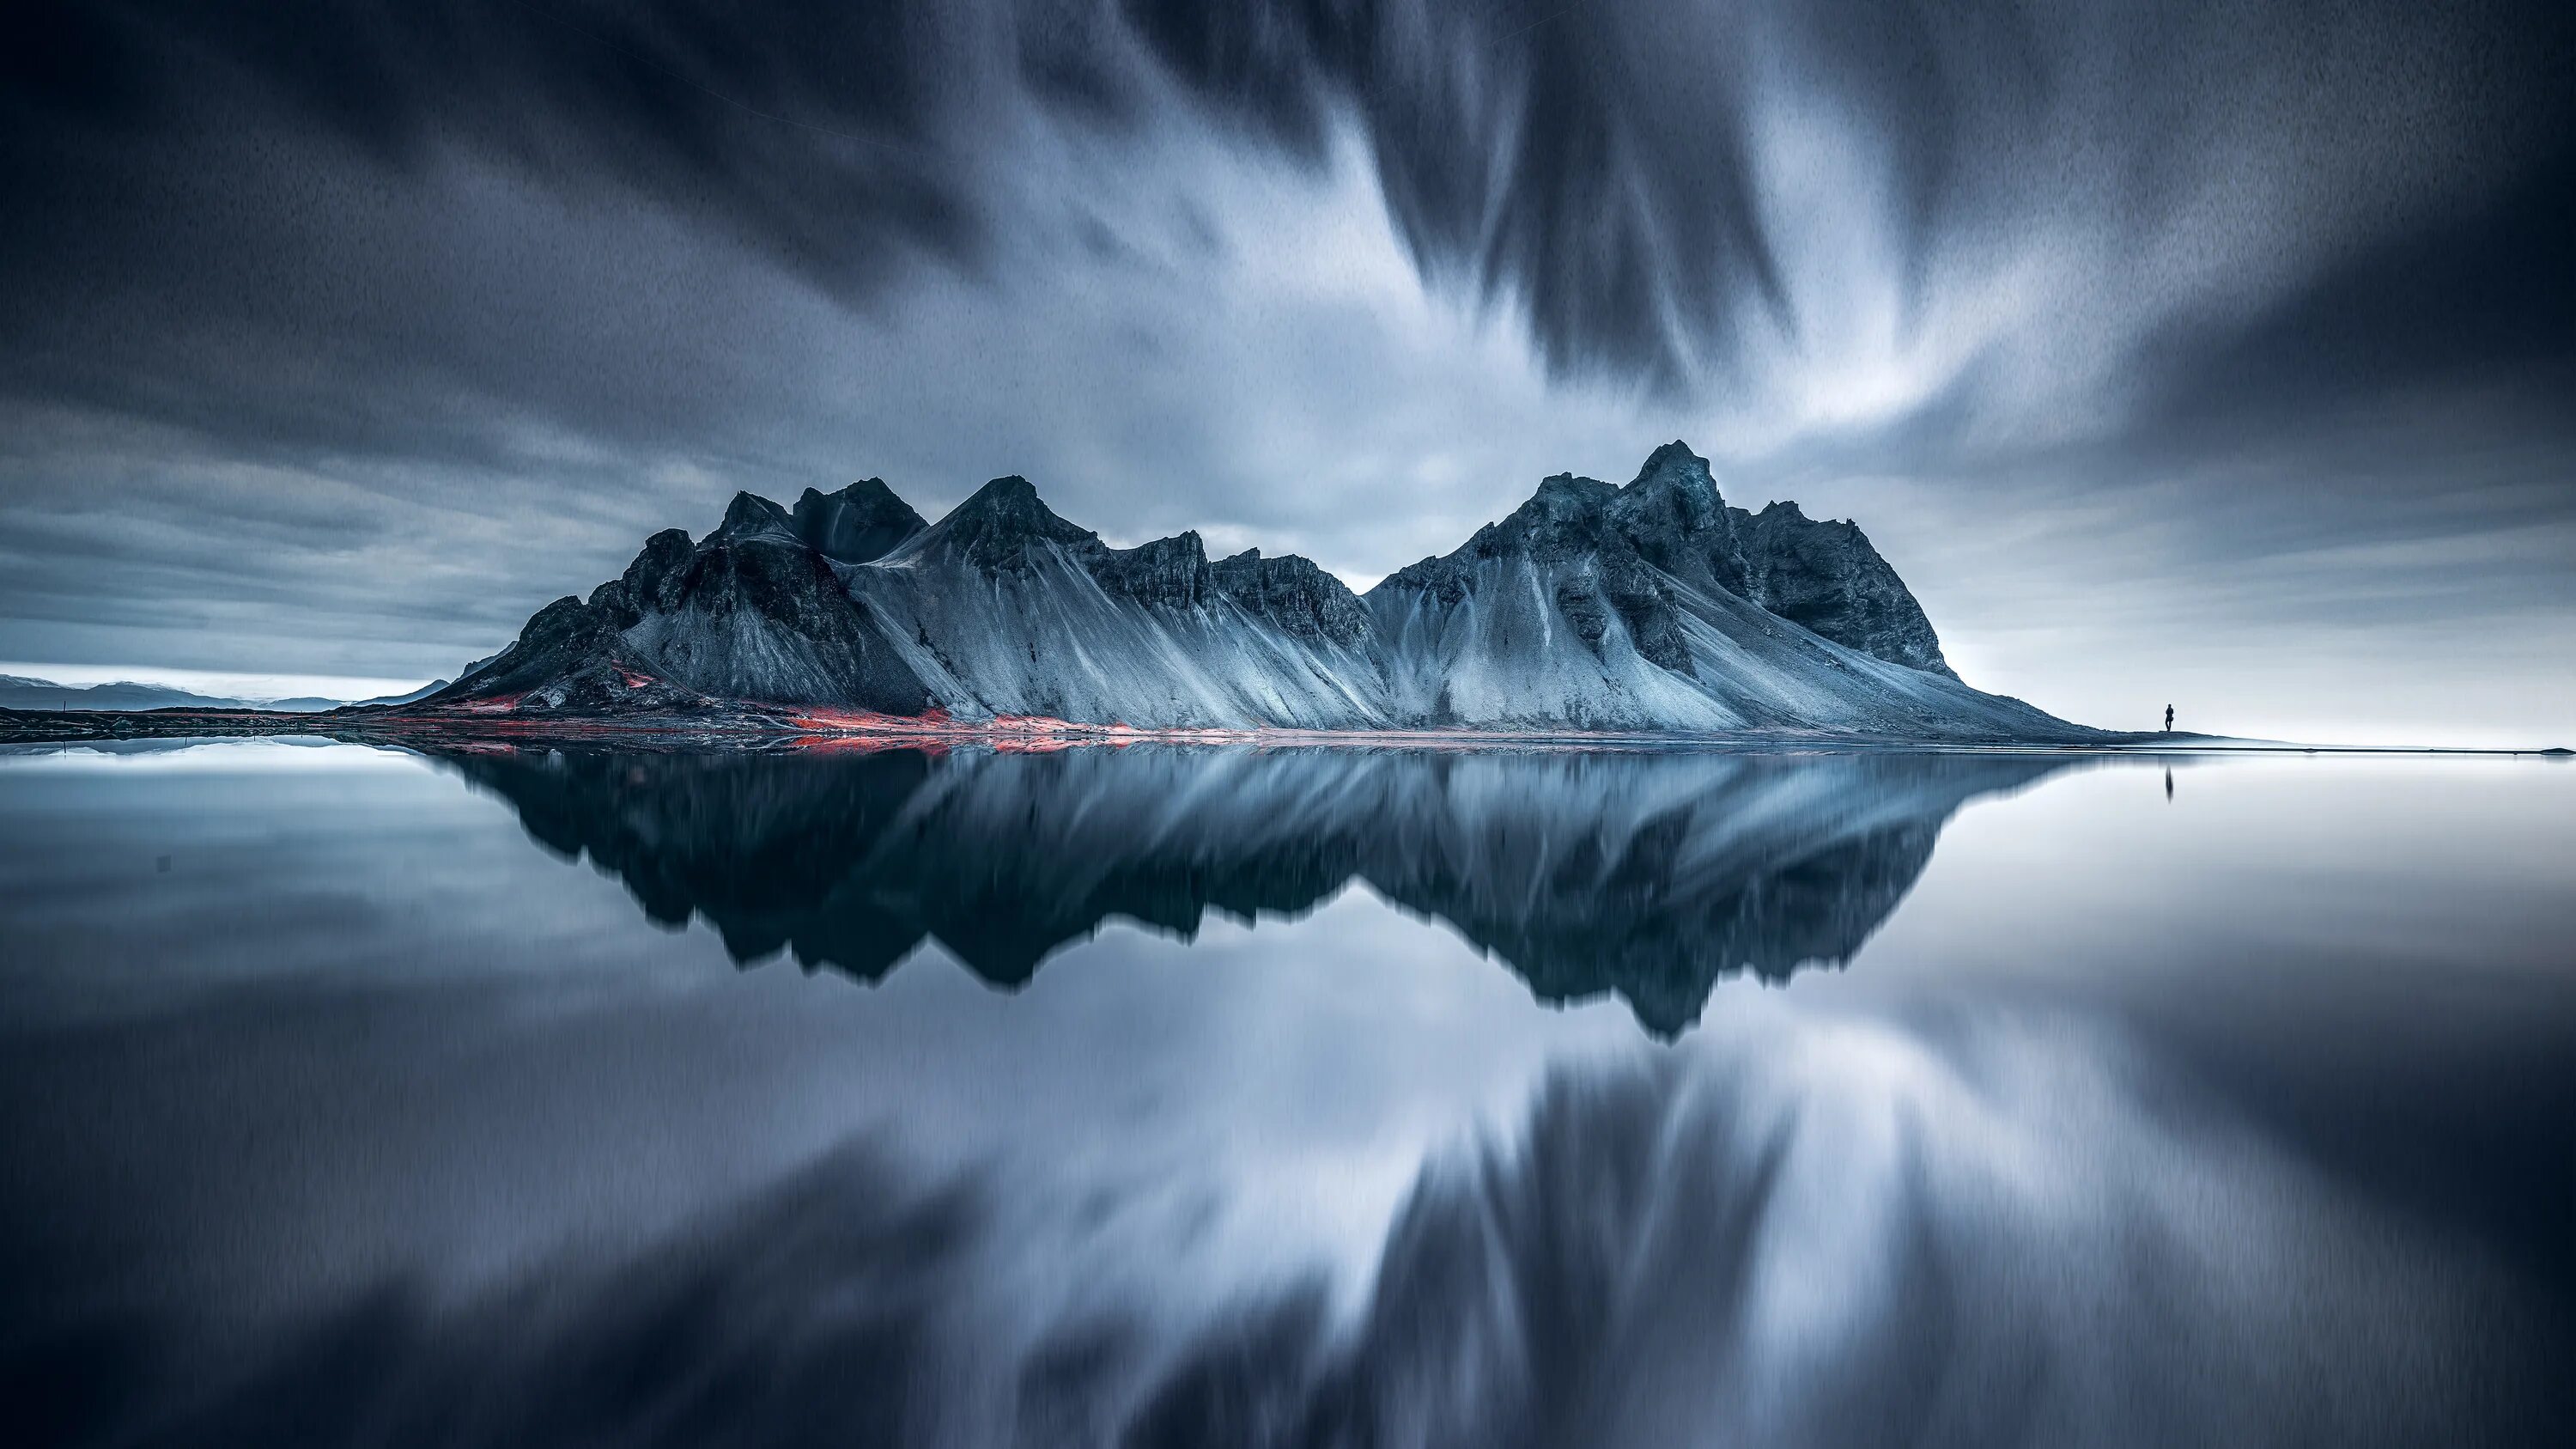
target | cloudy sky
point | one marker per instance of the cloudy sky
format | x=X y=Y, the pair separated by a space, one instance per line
x=2219 y=353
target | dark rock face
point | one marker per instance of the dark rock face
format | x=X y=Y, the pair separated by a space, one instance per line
x=998 y=527
x=1653 y=623
x=1294 y=595
x=571 y=659
x=751 y=518
x=860 y=524
x=1672 y=516
x=1826 y=577
x=751 y=613
x=1563 y=522
x=1575 y=532
x=762 y=620
x=1168 y=573
x=654 y=582
x=559 y=639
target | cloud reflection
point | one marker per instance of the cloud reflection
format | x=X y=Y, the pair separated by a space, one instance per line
x=1807 y=1229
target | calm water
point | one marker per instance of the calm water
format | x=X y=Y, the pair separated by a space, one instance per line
x=1218 y=1097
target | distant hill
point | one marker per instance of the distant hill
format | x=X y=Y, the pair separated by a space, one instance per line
x=18 y=691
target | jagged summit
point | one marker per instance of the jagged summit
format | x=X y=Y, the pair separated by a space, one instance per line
x=1170 y=572
x=859 y=524
x=999 y=526
x=752 y=518
x=1292 y=594
x=1674 y=457
x=1673 y=515
x=1649 y=606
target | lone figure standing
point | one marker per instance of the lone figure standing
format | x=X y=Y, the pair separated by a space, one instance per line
x=2168 y=719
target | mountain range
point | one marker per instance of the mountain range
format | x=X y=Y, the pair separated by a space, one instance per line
x=1651 y=607
x=18 y=691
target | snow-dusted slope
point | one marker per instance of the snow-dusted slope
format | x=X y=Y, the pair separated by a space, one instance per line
x=1002 y=608
x=1628 y=608
x=1649 y=607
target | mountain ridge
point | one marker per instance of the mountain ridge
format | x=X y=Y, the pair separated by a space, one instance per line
x=1653 y=606
x=128 y=696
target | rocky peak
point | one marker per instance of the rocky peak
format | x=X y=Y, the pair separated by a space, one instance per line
x=751 y=518
x=1566 y=499
x=1563 y=517
x=1675 y=478
x=1568 y=529
x=1570 y=495
x=655 y=581
x=860 y=524
x=1167 y=573
x=1674 y=457
x=1002 y=523
x=1292 y=593
x=1672 y=514
x=1608 y=546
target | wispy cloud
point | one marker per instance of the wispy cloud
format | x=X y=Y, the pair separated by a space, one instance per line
x=340 y=337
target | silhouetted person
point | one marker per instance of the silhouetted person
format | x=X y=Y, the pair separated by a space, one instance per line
x=2168 y=719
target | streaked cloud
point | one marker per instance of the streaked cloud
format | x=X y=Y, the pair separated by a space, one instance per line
x=340 y=337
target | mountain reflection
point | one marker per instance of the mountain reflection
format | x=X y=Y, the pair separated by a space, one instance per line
x=1651 y=874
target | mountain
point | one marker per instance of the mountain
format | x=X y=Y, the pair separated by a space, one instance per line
x=17 y=691
x=1649 y=874
x=1650 y=607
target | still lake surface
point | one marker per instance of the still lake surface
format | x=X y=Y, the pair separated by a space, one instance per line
x=1215 y=1096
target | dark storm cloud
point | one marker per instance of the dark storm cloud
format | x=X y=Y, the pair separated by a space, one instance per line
x=808 y=128
x=174 y=169
x=214 y=207
x=2485 y=294
x=1596 y=163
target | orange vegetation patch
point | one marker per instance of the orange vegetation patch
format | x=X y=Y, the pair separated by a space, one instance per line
x=829 y=728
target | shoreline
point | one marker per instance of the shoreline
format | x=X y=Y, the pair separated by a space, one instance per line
x=758 y=727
